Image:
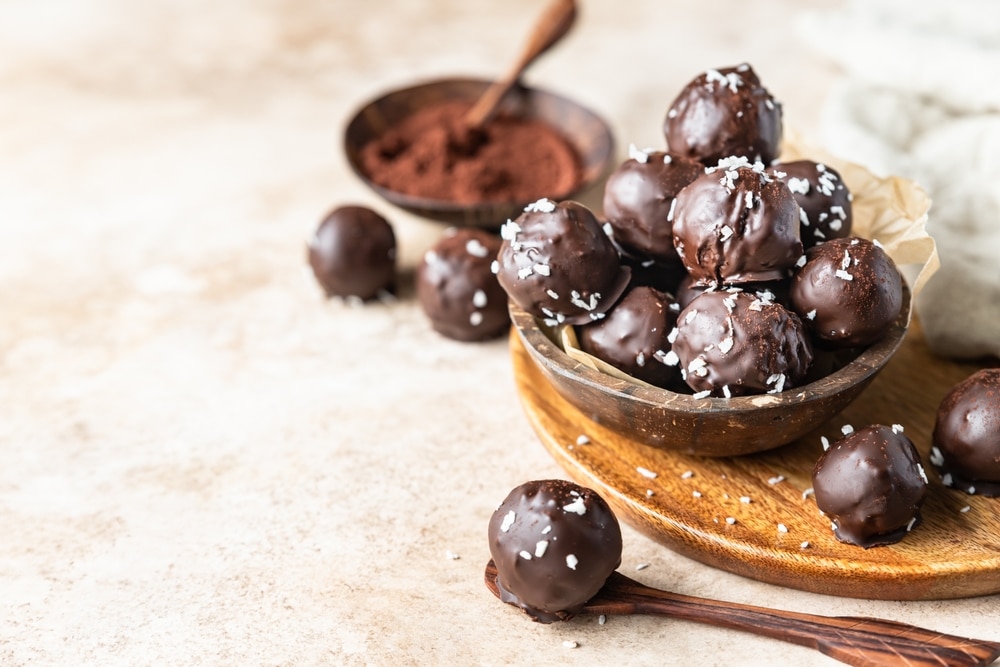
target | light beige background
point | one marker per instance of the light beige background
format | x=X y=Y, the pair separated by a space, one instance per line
x=204 y=463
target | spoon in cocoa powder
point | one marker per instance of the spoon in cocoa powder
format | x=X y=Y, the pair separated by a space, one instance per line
x=859 y=641
x=550 y=27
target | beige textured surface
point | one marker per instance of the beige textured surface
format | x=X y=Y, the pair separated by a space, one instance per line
x=205 y=464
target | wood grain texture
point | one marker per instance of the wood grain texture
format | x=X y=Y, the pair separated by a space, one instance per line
x=861 y=641
x=952 y=554
x=586 y=132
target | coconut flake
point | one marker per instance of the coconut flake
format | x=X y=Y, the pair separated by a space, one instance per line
x=508 y=521
x=571 y=561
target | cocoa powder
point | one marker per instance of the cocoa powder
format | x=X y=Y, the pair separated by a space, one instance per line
x=433 y=154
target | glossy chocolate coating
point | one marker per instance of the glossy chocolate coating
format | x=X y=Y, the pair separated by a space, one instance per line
x=824 y=201
x=733 y=343
x=554 y=544
x=849 y=292
x=637 y=201
x=967 y=435
x=457 y=289
x=557 y=263
x=633 y=336
x=734 y=224
x=724 y=112
x=353 y=253
x=871 y=484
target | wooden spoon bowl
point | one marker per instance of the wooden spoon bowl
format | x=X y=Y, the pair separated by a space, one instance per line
x=707 y=426
x=587 y=133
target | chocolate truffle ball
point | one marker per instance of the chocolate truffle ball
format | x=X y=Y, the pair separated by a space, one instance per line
x=824 y=201
x=848 y=291
x=457 y=289
x=734 y=343
x=633 y=336
x=966 y=446
x=557 y=263
x=871 y=484
x=637 y=200
x=724 y=112
x=353 y=253
x=735 y=224
x=554 y=544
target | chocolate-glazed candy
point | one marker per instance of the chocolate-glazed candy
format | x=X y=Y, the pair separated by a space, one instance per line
x=824 y=201
x=733 y=343
x=557 y=263
x=637 y=200
x=871 y=484
x=633 y=335
x=554 y=544
x=966 y=440
x=735 y=224
x=353 y=253
x=457 y=290
x=724 y=112
x=848 y=291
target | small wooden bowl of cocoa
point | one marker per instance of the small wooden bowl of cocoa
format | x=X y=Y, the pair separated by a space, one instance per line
x=411 y=147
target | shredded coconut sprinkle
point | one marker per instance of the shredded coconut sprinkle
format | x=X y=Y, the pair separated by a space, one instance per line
x=540 y=547
x=541 y=206
x=569 y=643
x=508 y=521
x=646 y=473
x=582 y=440
x=475 y=248
x=702 y=394
x=847 y=429
x=777 y=479
x=641 y=566
x=782 y=528
x=577 y=506
x=571 y=561
x=635 y=154
x=730 y=520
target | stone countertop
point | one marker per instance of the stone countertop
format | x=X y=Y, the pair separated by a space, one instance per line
x=205 y=462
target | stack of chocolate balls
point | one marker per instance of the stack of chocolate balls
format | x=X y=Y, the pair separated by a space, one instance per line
x=719 y=270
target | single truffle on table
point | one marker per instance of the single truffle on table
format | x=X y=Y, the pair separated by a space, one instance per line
x=735 y=224
x=638 y=197
x=848 y=291
x=871 y=484
x=457 y=289
x=735 y=343
x=554 y=544
x=724 y=112
x=824 y=201
x=633 y=336
x=353 y=253
x=557 y=263
x=966 y=449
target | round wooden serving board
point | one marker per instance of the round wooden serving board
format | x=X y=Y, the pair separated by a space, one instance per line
x=951 y=554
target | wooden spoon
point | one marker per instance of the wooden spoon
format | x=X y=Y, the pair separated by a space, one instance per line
x=866 y=642
x=551 y=26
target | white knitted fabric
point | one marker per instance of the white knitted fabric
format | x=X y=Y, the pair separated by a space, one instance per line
x=919 y=101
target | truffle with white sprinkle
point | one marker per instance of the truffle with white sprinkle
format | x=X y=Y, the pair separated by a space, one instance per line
x=559 y=548
x=638 y=197
x=871 y=484
x=633 y=337
x=557 y=263
x=724 y=112
x=458 y=292
x=967 y=434
x=823 y=198
x=720 y=239
x=849 y=290
x=734 y=343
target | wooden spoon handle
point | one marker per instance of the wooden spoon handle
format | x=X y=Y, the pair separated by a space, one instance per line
x=551 y=26
x=852 y=640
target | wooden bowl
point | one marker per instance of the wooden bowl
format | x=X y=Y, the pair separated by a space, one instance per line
x=707 y=426
x=587 y=133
